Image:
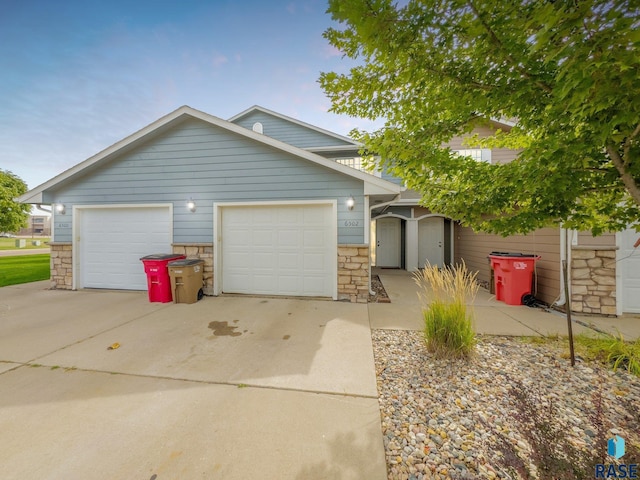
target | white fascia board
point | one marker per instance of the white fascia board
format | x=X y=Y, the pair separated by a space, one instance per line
x=36 y=193
x=292 y=120
x=27 y=198
x=376 y=188
x=503 y=121
x=337 y=148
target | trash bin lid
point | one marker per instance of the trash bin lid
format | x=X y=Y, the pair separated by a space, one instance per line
x=512 y=254
x=161 y=256
x=188 y=262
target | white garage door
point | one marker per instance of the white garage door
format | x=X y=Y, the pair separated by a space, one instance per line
x=279 y=250
x=629 y=265
x=112 y=241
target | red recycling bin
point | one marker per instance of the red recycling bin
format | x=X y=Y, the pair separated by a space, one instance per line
x=158 y=279
x=513 y=273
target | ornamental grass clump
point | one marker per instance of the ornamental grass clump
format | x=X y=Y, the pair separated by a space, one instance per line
x=613 y=350
x=445 y=294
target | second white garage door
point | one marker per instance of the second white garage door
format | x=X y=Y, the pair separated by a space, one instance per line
x=112 y=241
x=279 y=250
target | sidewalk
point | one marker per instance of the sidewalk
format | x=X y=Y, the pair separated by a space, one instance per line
x=21 y=252
x=492 y=317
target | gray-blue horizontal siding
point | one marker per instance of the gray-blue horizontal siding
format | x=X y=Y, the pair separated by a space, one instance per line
x=289 y=132
x=390 y=178
x=199 y=161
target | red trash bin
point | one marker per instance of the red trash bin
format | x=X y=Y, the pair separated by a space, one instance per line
x=158 y=280
x=513 y=273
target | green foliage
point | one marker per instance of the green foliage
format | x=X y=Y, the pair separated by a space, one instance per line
x=24 y=269
x=13 y=216
x=448 y=325
x=613 y=350
x=434 y=70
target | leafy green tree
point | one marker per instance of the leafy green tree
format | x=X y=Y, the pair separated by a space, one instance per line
x=13 y=216
x=436 y=69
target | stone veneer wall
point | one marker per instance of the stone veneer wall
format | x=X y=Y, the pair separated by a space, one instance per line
x=203 y=251
x=593 y=280
x=61 y=264
x=353 y=273
x=353 y=268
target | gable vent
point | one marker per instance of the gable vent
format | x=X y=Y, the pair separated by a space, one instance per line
x=257 y=127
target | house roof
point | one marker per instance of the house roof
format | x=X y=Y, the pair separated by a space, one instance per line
x=258 y=108
x=373 y=185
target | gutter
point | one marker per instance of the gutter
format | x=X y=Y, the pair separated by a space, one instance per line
x=41 y=208
x=564 y=255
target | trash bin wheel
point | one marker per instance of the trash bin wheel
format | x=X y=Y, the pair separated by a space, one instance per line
x=200 y=294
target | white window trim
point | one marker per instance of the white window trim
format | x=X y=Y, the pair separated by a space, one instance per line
x=478 y=154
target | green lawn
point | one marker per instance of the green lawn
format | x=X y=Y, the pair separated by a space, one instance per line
x=23 y=269
x=10 y=243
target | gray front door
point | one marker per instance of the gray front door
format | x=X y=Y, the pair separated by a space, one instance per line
x=388 y=239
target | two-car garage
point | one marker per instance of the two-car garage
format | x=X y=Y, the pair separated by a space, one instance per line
x=281 y=248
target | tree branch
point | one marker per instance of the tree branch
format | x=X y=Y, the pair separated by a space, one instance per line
x=546 y=88
x=626 y=177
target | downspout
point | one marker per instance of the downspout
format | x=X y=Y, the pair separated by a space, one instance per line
x=563 y=256
x=378 y=205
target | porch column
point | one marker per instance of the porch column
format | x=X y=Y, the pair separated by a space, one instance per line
x=411 y=245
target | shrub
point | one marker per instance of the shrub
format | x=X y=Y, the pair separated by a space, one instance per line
x=444 y=294
x=552 y=454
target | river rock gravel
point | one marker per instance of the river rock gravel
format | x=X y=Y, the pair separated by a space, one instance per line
x=440 y=417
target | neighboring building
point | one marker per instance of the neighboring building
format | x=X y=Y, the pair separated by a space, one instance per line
x=282 y=207
x=39 y=225
x=605 y=270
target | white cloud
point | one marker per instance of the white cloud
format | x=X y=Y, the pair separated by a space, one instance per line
x=218 y=60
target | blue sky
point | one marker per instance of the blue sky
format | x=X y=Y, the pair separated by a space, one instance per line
x=78 y=76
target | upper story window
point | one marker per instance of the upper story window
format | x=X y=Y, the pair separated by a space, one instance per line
x=358 y=164
x=478 y=154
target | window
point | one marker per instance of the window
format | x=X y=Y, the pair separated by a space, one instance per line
x=358 y=164
x=479 y=155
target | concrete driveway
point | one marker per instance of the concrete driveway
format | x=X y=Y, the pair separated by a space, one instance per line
x=225 y=388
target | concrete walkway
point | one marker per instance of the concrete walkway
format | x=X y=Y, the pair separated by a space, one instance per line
x=30 y=251
x=492 y=317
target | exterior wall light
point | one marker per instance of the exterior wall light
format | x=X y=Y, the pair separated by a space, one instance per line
x=191 y=205
x=60 y=208
x=351 y=202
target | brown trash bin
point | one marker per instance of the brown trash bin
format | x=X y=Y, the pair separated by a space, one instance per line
x=186 y=280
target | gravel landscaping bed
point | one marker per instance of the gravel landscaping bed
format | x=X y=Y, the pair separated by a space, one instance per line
x=440 y=417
